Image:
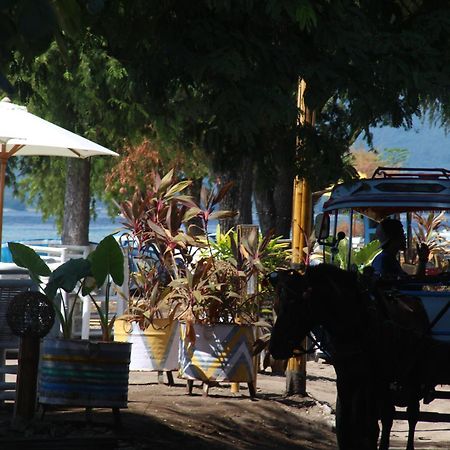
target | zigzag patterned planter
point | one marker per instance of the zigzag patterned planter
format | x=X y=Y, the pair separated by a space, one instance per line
x=221 y=352
x=155 y=348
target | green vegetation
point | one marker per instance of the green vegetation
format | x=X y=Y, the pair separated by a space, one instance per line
x=103 y=266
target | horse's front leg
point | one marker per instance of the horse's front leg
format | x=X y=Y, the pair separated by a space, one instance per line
x=387 y=411
x=413 y=411
x=356 y=426
x=343 y=423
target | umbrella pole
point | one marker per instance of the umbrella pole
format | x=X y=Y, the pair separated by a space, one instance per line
x=3 y=162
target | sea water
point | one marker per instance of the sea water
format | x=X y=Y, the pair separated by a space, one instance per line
x=27 y=224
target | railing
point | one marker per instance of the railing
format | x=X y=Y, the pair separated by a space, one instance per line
x=9 y=343
x=412 y=173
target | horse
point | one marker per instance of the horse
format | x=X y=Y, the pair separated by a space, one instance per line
x=369 y=351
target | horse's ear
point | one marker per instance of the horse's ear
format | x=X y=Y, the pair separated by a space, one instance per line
x=307 y=293
x=354 y=278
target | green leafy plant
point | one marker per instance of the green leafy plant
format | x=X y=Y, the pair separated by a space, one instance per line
x=360 y=257
x=168 y=229
x=427 y=232
x=180 y=271
x=257 y=253
x=103 y=266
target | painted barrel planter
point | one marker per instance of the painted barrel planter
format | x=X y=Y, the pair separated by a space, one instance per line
x=221 y=352
x=83 y=373
x=155 y=348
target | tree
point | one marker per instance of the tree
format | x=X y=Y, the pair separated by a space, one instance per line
x=20 y=31
x=219 y=74
x=225 y=72
x=85 y=90
x=395 y=157
x=366 y=162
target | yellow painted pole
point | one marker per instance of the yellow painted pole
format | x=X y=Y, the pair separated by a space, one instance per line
x=305 y=218
x=296 y=221
x=301 y=230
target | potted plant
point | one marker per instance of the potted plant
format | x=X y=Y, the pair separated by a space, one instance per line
x=222 y=293
x=216 y=332
x=165 y=227
x=79 y=372
x=181 y=274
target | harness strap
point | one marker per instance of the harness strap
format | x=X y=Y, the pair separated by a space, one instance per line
x=315 y=346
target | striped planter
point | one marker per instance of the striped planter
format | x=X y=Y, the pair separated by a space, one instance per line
x=83 y=373
x=155 y=348
x=221 y=352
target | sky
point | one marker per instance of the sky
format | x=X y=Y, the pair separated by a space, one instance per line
x=428 y=146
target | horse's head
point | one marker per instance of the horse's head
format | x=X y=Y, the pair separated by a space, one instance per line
x=293 y=316
x=319 y=297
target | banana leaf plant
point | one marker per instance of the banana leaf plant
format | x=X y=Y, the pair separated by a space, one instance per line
x=360 y=257
x=81 y=276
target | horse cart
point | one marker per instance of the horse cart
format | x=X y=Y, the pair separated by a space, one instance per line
x=379 y=362
x=401 y=193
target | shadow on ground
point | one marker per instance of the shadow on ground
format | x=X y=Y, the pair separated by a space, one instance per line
x=177 y=421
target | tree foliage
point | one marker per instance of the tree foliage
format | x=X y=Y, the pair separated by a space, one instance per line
x=82 y=89
x=222 y=75
x=227 y=70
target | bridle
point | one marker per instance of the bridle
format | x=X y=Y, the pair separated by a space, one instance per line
x=283 y=294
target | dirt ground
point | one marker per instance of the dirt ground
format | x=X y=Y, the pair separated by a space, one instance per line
x=163 y=417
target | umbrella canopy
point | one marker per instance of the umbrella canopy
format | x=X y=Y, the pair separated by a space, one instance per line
x=37 y=137
x=24 y=134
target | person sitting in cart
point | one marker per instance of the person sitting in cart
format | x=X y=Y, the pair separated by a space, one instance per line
x=392 y=238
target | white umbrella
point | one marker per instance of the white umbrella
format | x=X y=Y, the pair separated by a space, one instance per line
x=22 y=133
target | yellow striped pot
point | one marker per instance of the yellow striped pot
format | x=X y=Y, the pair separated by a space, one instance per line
x=155 y=348
x=221 y=352
x=82 y=373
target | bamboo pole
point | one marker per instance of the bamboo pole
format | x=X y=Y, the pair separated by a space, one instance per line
x=301 y=229
x=305 y=218
x=296 y=221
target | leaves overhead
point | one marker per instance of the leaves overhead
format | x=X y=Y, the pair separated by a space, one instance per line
x=221 y=75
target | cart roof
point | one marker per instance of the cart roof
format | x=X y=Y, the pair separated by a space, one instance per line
x=393 y=190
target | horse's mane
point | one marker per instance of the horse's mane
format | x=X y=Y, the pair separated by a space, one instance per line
x=322 y=272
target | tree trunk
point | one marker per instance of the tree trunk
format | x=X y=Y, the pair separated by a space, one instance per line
x=239 y=198
x=282 y=198
x=195 y=225
x=265 y=207
x=76 y=203
x=273 y=196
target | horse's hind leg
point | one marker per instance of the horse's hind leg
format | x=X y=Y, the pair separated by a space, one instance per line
x=387 y=412
x=413 y=411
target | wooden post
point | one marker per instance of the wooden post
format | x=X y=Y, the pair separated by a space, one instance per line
x=243 y=231
x=301 y=230
x=26 y=386
x=4 y=156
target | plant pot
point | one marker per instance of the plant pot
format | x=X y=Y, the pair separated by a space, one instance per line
x=221 y=352
x=155 y=348
x=83 y=373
